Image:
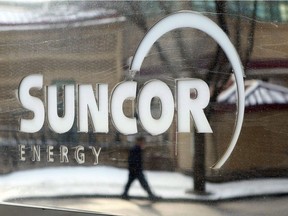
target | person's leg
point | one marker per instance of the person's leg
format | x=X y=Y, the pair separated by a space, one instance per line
x=130 y=180
x=144 y=184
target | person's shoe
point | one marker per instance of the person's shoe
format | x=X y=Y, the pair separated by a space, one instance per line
x=125 y=196
x=152 y=197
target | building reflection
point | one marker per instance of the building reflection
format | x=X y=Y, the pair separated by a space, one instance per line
x=89 y=43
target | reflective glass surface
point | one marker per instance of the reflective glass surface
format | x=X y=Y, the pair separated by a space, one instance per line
x=77 y=125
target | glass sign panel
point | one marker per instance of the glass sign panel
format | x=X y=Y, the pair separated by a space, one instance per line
x=144 y=107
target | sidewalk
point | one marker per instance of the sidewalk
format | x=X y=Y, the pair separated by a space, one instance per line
x=104 y=181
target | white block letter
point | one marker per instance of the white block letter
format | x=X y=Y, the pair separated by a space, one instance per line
x=79 y=156
x=187 y=105
x=98 y=113
x=65 y=123
x=31 y=103
x=22 y=152
x=96 y=154
x=35 y=152
x=50 y=153
x=64 y=154
x=122 y=92
x=158 y=89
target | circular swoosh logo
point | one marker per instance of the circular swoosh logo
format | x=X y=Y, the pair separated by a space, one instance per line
x=189 y=19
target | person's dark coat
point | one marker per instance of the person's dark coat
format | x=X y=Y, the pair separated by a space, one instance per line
x=135 y=160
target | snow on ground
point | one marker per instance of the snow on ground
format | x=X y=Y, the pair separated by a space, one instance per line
x=104 y=180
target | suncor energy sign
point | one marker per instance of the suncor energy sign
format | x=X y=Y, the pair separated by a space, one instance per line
x=103 y=106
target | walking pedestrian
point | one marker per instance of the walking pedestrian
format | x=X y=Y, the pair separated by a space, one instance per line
x=135 y=165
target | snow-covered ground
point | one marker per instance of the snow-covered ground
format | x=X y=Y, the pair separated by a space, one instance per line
x=104 y=180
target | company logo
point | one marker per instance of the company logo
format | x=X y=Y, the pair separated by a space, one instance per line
x=100 y=105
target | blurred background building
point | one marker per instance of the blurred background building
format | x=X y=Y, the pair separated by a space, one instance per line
x=89 y=42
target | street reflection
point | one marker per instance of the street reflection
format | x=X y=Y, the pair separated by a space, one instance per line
x=258 y=206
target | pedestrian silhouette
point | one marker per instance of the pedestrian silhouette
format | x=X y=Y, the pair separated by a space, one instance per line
x=135 y=165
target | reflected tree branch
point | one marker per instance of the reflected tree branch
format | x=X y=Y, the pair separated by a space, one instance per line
x=186 y=58
x=251 y=35
x=140 y=20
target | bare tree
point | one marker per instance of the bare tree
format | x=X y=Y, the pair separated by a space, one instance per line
x=218 y=63
x=217 y=81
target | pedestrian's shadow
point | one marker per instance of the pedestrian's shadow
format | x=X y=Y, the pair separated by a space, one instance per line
x=147 y=207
